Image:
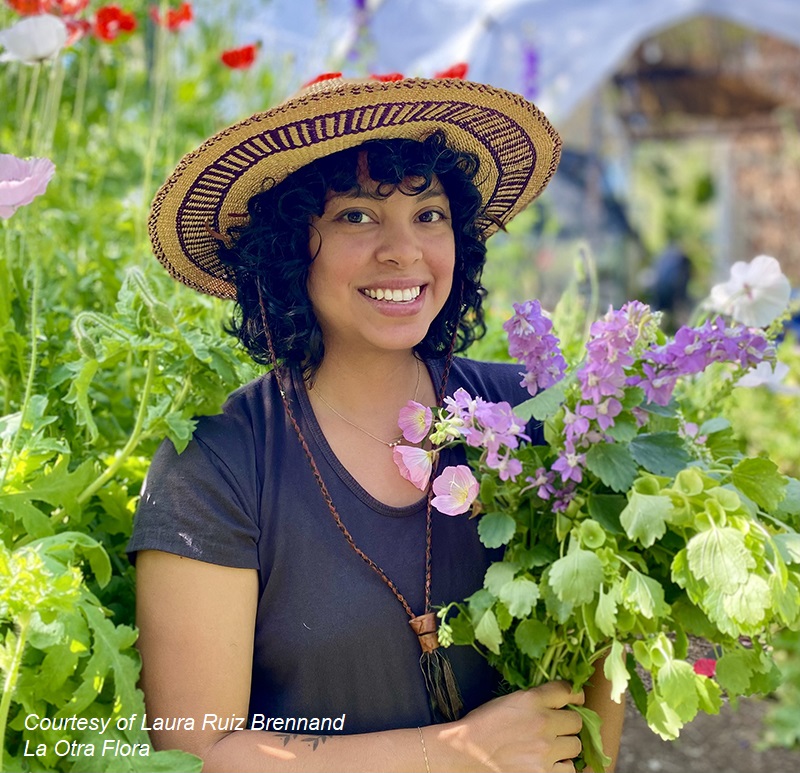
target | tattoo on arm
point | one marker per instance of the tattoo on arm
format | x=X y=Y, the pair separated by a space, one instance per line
x=313 y=740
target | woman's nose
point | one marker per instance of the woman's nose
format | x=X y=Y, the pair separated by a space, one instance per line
x=399 y=244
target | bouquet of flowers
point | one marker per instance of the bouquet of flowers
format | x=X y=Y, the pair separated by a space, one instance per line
x=639 y=524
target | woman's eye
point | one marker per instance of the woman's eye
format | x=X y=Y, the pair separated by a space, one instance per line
x=356 y=216
x=431 y=216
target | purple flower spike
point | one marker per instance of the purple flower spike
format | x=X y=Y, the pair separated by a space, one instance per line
x=531 y=343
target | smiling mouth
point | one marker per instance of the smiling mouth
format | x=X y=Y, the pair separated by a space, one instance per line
x=405 y=295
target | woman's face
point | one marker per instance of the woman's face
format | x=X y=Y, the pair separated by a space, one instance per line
x=383 y=268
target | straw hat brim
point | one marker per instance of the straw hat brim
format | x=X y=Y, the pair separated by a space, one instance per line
x=209 y=190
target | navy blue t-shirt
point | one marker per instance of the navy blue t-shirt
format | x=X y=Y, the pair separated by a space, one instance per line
x=331 y=638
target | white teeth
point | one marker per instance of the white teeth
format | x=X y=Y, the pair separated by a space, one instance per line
x=396 y=296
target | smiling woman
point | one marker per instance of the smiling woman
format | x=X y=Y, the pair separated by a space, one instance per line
x=285 y=567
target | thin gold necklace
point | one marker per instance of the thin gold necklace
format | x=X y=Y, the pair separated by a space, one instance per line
x=389 y=444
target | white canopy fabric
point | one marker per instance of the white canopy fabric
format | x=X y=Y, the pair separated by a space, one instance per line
x=556 y=51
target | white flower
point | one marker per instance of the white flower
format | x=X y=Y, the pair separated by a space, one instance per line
x=764 y=375
x=34 y=39
x=755 y=295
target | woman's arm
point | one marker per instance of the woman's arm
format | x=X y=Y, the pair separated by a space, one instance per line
x=197 y=623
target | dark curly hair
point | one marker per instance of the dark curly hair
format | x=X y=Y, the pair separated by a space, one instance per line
x=271 y=253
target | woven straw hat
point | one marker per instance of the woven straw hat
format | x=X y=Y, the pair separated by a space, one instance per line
x=208 y=192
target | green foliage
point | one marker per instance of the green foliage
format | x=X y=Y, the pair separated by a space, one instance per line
x=101 y=356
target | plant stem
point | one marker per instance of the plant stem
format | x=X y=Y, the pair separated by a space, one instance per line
x=133 y=440
x=24 y=124
x=29 y=382
x=78 y=109
x=11 y=679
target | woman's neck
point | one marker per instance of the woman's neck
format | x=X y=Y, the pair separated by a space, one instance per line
x=370 y=393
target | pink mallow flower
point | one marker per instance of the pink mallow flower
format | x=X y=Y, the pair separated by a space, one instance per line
x=415 y=464
x=455 y=489
x=415 y=421
x=22 y=181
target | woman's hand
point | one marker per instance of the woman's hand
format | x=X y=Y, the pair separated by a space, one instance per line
x=529 y=730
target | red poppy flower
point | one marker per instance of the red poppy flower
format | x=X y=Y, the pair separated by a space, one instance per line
x=76 y=29
x=110 y=21
x=29 y=7
x=326 y=76
x=173 y=19
x=456 y=71
x=388 y=77
x=705 y=666
x=240 y=58
x=67 y=7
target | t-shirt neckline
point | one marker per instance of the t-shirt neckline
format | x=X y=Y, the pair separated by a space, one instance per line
x=321 y=443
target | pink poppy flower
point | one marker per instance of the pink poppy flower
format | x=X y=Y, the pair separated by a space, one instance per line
x=415 y=421
x=22 y=181
x=415 y=465
x=455 y=489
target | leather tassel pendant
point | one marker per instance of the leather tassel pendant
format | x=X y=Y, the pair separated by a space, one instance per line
x=440 y=681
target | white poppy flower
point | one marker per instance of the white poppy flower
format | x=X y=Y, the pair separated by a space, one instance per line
x=764 y=375
x=34 y=39
x=755 y=295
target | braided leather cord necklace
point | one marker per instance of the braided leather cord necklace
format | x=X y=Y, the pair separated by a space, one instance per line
x=440 y=682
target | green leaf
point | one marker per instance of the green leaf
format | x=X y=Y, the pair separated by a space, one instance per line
x=760 y=480
x=719 y=557
x=606 y=509
x=717 y=424
x=624 y=429
x=692 y=619
x=66 y=545
x=591 y=739
x=168 y=762
x=532 y=637
x=661 y=453
x=788 y=546
x=613 y=464
x=112 y=655
x=634 y=397
x=499 y=574
x=748 y=603
x=644 y=595
x=488 y=633
x=496 y=529
x=34 y=521
x=545 y=405
x=504 y=618
x=462 y=629
x=645 y=517
x=662 y=718
x=709 y=695
x=577 y=576
x=677 y=686
x=616 y=672
x=78 y=394
x=635 y=685
x=790 y=504
x=520 y=596
x=736 y=669
x=605 y=615
x=557 y=609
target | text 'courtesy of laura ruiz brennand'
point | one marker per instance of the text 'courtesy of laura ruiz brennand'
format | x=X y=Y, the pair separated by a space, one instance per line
x=118 y=747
